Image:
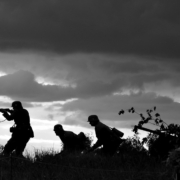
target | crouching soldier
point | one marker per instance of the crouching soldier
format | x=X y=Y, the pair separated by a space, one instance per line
x=105 y=137
x=71 y=141
x=21 y=131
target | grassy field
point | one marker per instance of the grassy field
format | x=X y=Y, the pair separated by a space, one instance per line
x=47 y=165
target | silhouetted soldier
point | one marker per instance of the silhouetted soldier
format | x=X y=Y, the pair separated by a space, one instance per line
x=105 y=137
x=21 y=130
x=70 y=140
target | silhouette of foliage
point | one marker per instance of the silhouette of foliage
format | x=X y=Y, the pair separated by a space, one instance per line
x=173 y=161
x=163 y=139
x=132 y=145
x=154 y=119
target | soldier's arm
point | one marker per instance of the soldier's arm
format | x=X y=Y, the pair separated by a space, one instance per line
x=101 y=137
x=96 y=145
x=8 y=116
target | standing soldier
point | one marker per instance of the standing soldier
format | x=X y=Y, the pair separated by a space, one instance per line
x=21 y=130
x=105 y=137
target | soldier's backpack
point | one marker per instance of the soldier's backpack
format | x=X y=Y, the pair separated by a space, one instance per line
x=81 y=137
x=83 y=141
x=117 y=132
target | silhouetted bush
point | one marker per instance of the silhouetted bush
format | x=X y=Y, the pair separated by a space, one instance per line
x=160 y=141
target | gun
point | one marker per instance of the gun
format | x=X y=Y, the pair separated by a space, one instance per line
x=3 y=110
x=158 y=132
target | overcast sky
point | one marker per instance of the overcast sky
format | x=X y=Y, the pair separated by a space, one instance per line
x=68 y=59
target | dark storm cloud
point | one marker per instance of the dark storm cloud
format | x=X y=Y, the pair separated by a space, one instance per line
x=23 y=86
x=126 y=67
x=150 y=27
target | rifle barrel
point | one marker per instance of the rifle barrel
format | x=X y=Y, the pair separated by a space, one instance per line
x=148 y=130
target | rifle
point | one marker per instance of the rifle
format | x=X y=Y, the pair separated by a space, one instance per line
x=158 y=132
x=3 y=110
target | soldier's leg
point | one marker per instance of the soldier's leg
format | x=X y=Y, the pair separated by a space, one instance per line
x=10 y=146
x=21 y=145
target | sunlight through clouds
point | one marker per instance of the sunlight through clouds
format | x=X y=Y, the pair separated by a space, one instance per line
x=2 y=73
x=44 y=81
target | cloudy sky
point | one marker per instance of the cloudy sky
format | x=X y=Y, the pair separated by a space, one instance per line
x=68 y=59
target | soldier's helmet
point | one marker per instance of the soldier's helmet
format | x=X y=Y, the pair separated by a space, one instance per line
x=17 y=104
x=58 y=127
x=93 y=119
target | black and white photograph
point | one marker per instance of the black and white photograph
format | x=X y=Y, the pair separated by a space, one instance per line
x=89 y=90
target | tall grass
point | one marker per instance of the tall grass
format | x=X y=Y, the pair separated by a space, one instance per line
x=131 y=162
x=48 y=165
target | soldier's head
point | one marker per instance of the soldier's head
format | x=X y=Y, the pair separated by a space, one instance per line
x=17 y=105
x=58 y=129
x=93 y=120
